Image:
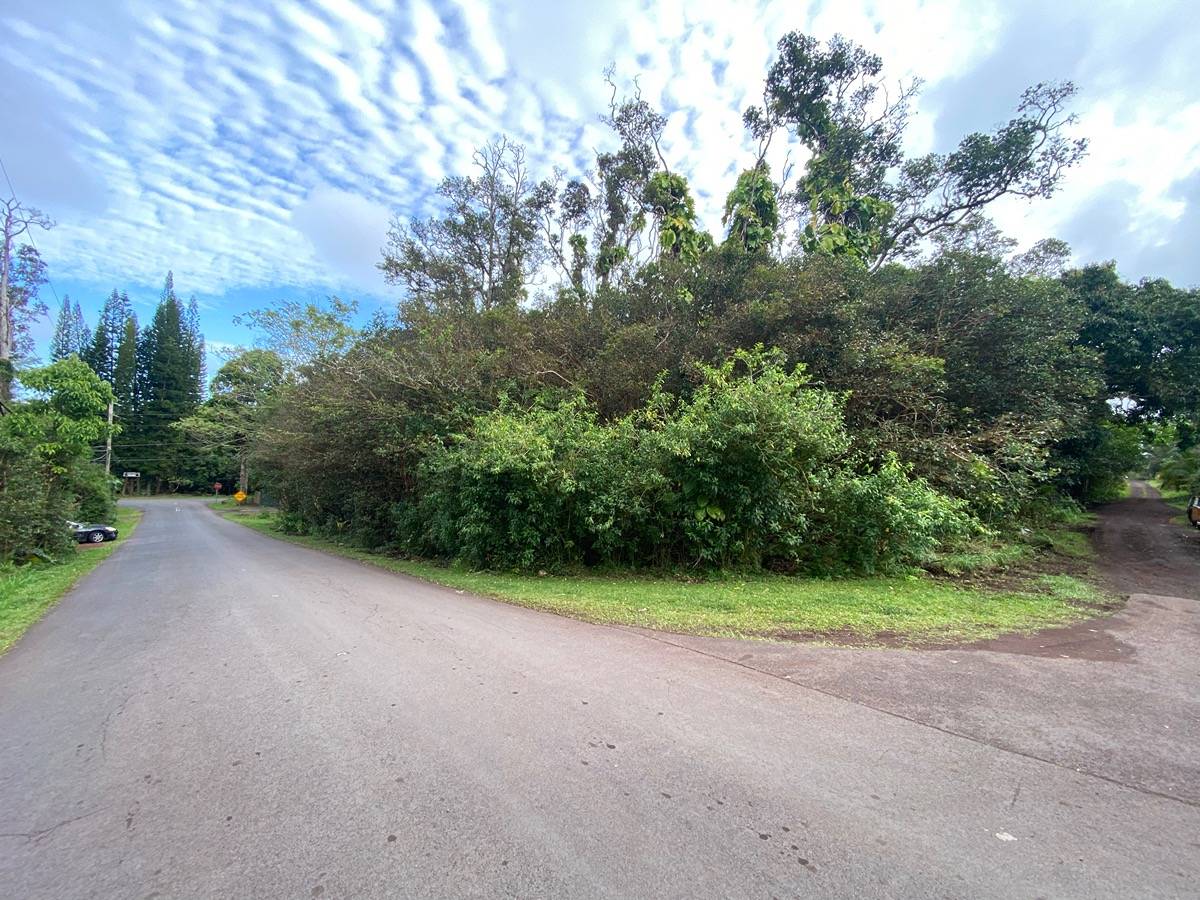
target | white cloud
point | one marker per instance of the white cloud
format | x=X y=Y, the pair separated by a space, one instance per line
x=346 y=230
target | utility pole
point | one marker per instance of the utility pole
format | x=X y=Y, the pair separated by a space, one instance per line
x=17 y=220
x=108 y=442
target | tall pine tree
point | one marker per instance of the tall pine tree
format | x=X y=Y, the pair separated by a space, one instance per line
x=196 y=340
x=62 y=344
x=125 y=371
x=80 y=331
x=102 y=354
x=71 y=333
x=168 y=388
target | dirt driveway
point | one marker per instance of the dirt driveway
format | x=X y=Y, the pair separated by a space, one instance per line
x=1116 y=697
x=1143 y=551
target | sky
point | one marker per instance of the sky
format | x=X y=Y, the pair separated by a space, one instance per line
x=258 y=150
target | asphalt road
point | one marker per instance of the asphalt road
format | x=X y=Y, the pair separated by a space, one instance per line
x=212 y=713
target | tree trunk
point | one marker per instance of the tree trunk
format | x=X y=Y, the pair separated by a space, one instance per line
x=243 y=476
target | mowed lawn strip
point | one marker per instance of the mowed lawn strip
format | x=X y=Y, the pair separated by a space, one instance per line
x=27 y=592
x=914 y=608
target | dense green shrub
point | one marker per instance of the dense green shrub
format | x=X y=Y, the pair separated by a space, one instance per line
x=1180 y=471
x=1092 y=467
x=34 y=506
x=94 y=491
x=881 y=521
x=750 y=471
x=504 y=495
x=741 y=457
x=46 y=473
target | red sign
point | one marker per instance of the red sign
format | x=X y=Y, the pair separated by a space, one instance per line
x=217 y=487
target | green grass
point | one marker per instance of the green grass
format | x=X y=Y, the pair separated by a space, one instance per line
x=1063 y=541
x=1177 y=499
x=27 y=592
x=227 y=503
x=914 y=609
x=979 y=556
x=1066 y=539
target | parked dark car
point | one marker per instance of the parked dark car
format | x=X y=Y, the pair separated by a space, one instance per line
x=92 y=534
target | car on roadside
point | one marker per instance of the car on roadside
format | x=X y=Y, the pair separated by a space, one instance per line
x=92 y=534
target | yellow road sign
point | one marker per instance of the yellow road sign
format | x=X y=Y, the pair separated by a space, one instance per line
x=240 y=496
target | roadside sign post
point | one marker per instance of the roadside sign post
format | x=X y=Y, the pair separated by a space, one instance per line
x=240 y=497
x=217 y=487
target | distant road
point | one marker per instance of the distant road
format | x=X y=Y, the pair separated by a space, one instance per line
x=212 y=713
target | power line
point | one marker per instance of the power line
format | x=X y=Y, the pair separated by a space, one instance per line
x=29 y=232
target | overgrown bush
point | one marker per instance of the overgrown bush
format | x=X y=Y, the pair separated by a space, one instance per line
x=94 y=491
x=1180 y=471
x=46 y=475
x=881 y=521
x=750 y=471
x=505 y=494
x=741 y=460
x=1093 y=466
x=34 y=506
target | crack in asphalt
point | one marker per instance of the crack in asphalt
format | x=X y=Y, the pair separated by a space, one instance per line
x=38 y=834
x=112 y=714
x=1150 y=792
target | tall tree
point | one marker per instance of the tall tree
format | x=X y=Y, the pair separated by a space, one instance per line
x=125 y=391
x=102 y=354
x=303 y=334
x=71 y=333
x=241 y=396
x=483 y=252
x=63 y=343
x=80 y=331
x=196 y=342
x=168 y=389
x=21 y=273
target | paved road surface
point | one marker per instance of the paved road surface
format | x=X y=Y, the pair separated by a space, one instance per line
x=216 y=714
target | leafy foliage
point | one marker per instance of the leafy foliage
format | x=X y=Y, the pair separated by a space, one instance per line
x=844 y=224
x=858 y=194
x=229 y=421
x=752 y=210
x=671 y=203
x=46 y=473
x=1180 y=471
x=481 y=253
x=736 y=476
